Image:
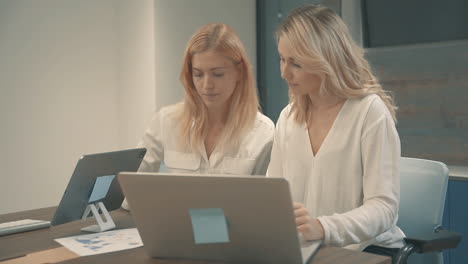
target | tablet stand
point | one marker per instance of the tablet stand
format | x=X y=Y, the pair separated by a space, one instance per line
x=101 y=226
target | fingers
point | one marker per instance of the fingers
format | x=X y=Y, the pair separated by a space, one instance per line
x=297 y=205
x=303 y=220
x=305 y=226
x=310 y=227
x=305 y=229
x=313 y=230
x=301 y=214
x=300 y=210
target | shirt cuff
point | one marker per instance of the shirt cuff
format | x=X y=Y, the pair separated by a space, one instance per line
x=326 y=230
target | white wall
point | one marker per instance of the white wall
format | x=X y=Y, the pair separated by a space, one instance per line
x=76 y=77
x=136 y=78
x=175 y=22
x=79 y=77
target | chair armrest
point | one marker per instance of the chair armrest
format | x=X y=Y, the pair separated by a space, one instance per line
x=442 y=239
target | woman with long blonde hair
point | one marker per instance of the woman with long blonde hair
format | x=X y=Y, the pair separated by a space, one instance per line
x=336 y=141
x=218 y=127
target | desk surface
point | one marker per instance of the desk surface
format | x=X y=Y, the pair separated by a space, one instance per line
x=29 y=242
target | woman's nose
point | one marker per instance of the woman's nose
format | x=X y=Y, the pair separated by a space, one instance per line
x=207 y=82
x=285 y=72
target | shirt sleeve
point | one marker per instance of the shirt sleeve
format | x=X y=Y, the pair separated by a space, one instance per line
x=263 y=159
x=152 y=141
x=275 y=168
x=380 y=154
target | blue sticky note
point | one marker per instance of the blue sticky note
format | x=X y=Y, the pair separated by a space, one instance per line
x=101 y=187
x=209 y=225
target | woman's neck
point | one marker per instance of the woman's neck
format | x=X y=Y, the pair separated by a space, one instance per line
x=217 y=116
x=216 y=121
x=324 y=102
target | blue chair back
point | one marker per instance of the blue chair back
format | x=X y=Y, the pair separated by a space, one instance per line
x=422 y=199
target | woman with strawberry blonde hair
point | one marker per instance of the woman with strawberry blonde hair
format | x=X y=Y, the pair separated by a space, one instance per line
x=218 y=127
x=336 y=141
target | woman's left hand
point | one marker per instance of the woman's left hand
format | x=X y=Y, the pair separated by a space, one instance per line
x=311 y=228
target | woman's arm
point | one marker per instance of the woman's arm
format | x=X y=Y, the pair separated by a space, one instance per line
x=380 y=153
x=152 y=140
x=275 y=168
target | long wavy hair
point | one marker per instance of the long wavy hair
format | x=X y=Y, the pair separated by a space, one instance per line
x=243 y=104
x=320 y=40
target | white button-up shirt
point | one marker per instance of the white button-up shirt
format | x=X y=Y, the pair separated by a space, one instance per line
x=352 y=185
x=162 y=139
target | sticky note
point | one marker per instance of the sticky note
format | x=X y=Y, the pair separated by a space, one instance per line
x=209 y=225
x=101 y=187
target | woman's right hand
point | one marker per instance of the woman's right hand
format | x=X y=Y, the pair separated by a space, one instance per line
x=311 y=228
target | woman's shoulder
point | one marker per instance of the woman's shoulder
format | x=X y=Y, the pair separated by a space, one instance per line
x=167 y=115
x=264 y=122
x=365 y=101
x=285 y=115
x=372 y=108
x=370 y=103
x=170 y=113
x=171 y=110
x=263 y=127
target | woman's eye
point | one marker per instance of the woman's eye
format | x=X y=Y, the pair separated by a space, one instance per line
x=218 y=74
x=296 y=65
x=197 y=75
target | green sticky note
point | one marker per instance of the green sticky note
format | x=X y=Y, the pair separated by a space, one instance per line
x=209 y=225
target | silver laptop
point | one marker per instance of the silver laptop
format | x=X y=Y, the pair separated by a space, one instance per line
x=215 y=217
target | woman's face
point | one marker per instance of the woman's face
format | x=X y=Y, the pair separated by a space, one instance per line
x=300 y=82
x=215 y=78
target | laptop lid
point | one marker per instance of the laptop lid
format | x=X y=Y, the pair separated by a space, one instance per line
x=88 y=168
x=258 y=217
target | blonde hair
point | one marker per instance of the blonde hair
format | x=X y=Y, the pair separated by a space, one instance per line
x=243 y=104
x=320 y=40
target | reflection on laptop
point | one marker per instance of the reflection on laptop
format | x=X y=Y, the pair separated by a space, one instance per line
x=215 y=217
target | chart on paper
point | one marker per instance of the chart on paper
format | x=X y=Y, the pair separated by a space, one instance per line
x=92 y=244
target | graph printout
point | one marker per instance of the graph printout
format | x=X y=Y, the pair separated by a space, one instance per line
x=105 y=242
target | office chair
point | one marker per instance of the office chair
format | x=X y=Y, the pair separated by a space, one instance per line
x=422 y=199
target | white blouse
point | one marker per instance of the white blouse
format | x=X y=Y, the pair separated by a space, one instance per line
x=162 y=138
x=352 y=184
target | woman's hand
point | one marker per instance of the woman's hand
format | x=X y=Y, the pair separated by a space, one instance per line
x=311 y=228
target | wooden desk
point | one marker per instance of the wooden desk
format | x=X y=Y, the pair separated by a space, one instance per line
x=29 y=242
